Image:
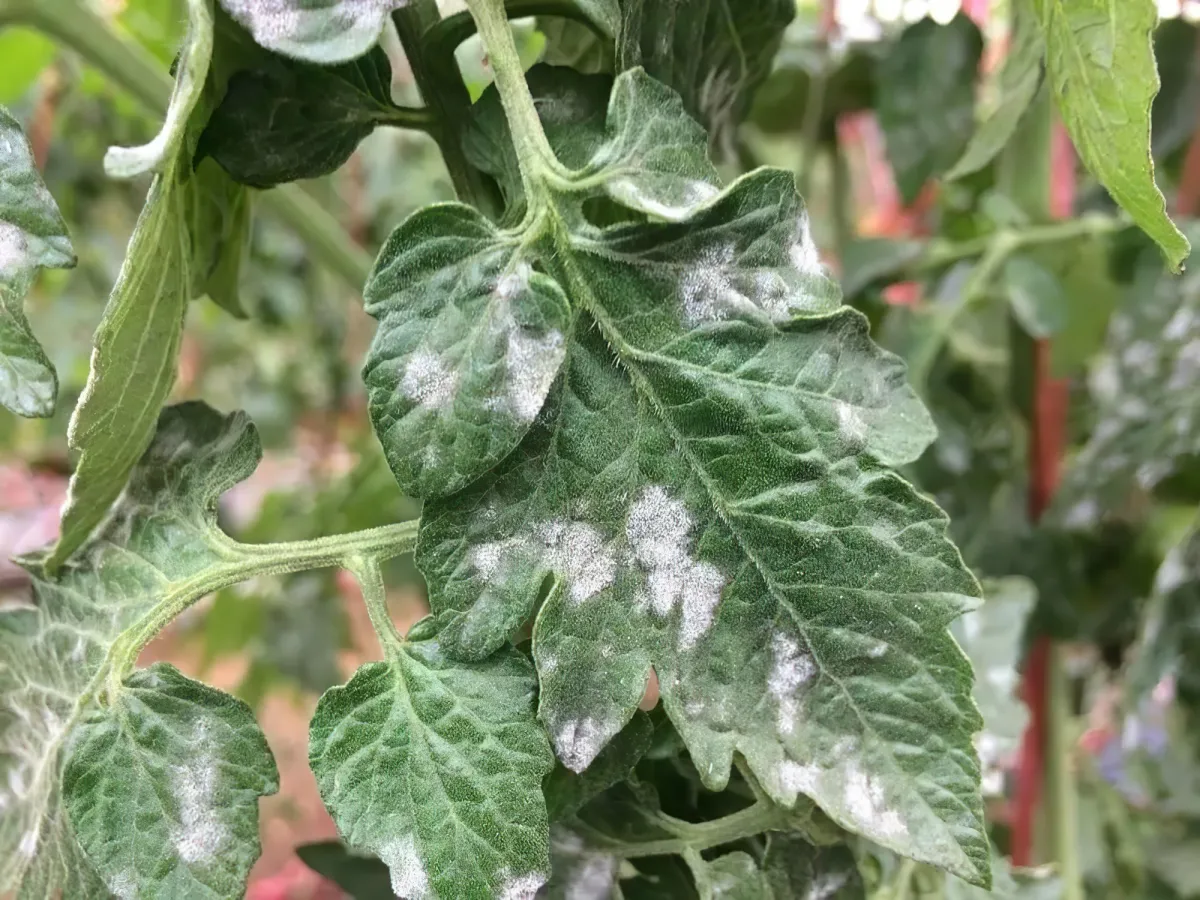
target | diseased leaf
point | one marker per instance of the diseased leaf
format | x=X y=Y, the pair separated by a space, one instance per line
x=713 y=53
x=318 y=31
x=1016 y=84
x=1100 y=62
x=992 y=638
x=281 y=120
x=734 y=876
x=704 y=507
x=33 y=235
x=191 y=72
x=1144 y=387
x=159 y=537
x=567 y=792
x=183 y=764
x=579 y=872
x=436 y=768
x=136 y=346
x=470 y=339
x=930 y=67
x=795 y=868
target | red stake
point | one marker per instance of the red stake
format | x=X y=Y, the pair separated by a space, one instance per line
x=1047 y=439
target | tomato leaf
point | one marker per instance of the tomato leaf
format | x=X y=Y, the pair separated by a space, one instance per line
x=318 y=31
x=184 y=764
x=33 y=235
x=157 y=540
x=1100 y=62
x=734 y=876
x=436 y=768
x=282 y=120
x=795 y=868
x=931 y=67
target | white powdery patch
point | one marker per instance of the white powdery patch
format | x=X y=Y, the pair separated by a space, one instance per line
x=825 y=886
x=409 y=879
x=852 y=427
x=531 y=362
x=29 y=842
x=692 y=195
x=790 y=668
x=429 y=381
x=658 y=529
x=803 y=251
x=13 y=247
x=288 y=23
x=593 y=879
x=520 y=887
x=707 y=290
x=123 y=885
x=799 y=778
x=200 y=834
x=580 y=741
x=866 y=804
x=577 y=552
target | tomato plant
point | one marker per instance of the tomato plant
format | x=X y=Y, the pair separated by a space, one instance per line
x=731 y=563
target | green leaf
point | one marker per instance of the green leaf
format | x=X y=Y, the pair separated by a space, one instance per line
x=136 y=346
x=470 y=339
x=436 y=768
x=32 y=235
x=153 y=547
x=362 y=877
x=1014 y=86
x=866 y=261
x=702 y=488
x=1144 y=386
x=574 y=45
x=992 y=637
x=713 y=53
x=318 y=31
x=931 y=67
x=1091 y=295
x=218 y=212
x=1035 y=296
x=567 y=792
x=795 y=868
x=1100 y=61
x=281 y=120
x=734 y=876
x=1176 y=108
x=1011 y=884
x=162 y=787
x=190 y=75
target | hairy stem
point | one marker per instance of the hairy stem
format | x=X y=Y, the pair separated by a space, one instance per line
x=453 y=30
x=133 y=69
x=438 y=79
x=367 y=571
x=694 y=836
x=534 y=155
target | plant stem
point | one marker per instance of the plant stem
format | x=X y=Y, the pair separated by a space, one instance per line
x=133 y=69
x=695 y=836
x=942 y=254
x=438 y=79
x=534 y=155
x=1060 y=777
x=370 y=580
x=453 y=30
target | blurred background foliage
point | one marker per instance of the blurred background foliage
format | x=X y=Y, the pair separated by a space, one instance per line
x=870 y=102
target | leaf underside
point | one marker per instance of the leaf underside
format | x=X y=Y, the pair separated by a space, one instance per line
x=318 y=31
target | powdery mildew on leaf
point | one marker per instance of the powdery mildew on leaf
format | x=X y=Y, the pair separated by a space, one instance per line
x=185 y=762
x=436 y=768
x=160 y=533
x=320 y=31
x=470 y=339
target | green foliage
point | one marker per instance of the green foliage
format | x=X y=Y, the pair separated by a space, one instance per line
x=33 y=235
x=663 y=465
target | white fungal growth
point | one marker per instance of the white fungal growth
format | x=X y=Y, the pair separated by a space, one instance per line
x=409 y=879
x=580 y=741
x=799 y=778
x=13 y=247
x=200 y=834
x=803 y=251
x=593 y=879
x=577 y=552
x=658 y=529
x=531 y=361
x=514 y=283
x=707 y=290
x=429 y=381
x=790 y=668
x=490 y=559
x=286 y=24
x=692 y=195
x=866 y=805
x=825 y=886
x=521 y=887
x=122 y=885
x=29 y=842
x=852 y=427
